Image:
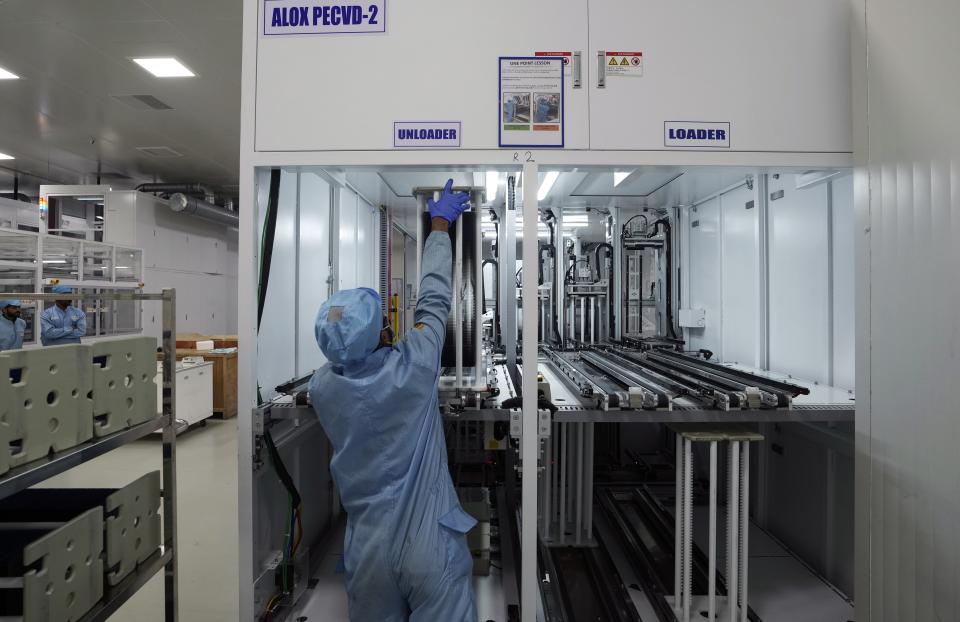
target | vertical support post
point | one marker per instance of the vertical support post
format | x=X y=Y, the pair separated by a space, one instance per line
x=559 y=263
x=617 y=328
x=508 y=267
x=712 y=546
x=578 y=516
x=530 y=441
x=583 y=319
x=744 y=526
x=554 y=470
x=456 y=308
x=678 y=526
x=573 y=319
x=687 y=528
x=547 y=487
x=588 y=478
x=169 y=466
x=564 y=461
x=421 y=208
x=733 y=528
x=762 y=198
x=593 y=319
x=478 y=301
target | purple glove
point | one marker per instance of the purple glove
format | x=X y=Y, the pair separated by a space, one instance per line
x=450 y=205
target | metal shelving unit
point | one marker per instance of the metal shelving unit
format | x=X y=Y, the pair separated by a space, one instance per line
x=37 y=471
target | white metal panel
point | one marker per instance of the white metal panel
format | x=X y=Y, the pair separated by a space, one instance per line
x=739 y=246
x=799 y=286
x=907 y=321
x=437 y=62
x=842 y=255
x=313 y=266
x=275 y=340
x=347 y=255
x=752 y=63
x=704 y=274
x=120 y=218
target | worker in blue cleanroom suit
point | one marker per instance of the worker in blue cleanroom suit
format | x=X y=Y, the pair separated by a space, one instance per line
x=543 y=109
x=62 y=323
x=405 y=550
x=11 y=325
x=511 y=109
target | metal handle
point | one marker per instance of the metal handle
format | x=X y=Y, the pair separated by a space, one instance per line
x=577 y=71
x=601 y=70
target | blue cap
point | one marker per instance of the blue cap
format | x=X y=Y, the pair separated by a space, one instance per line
x=348 y=325
x=62 y=289
x=9 y=303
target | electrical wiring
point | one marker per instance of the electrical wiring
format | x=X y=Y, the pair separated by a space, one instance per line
x=294 y=525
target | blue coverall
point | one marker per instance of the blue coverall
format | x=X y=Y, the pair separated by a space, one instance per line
x=543 y=109
x=405 y=549
x=11 y=333
x=511 y=110
x=62 y=326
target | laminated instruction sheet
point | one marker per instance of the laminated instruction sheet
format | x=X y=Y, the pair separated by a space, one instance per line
x=531 y=101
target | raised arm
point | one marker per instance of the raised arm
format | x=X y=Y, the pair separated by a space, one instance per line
x=424 y=342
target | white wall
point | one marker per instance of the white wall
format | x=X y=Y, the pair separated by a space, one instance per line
x=195 y=256
x=704 y=275
x=799 y=280
x=908 y=295
x=300 y=267
x=810 y=269
x=739 y=244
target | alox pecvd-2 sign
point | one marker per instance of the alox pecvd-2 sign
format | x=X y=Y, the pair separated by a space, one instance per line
x=323 y=17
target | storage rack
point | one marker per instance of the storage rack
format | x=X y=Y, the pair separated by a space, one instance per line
x=24 y=476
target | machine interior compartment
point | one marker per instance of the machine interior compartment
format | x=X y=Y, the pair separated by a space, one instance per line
x=695 y=382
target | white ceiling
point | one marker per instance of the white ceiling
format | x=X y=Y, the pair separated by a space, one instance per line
x=60 y=120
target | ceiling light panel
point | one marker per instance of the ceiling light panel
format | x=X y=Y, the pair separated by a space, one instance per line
x=165 y=67
x=4 y=156
x=8 y=75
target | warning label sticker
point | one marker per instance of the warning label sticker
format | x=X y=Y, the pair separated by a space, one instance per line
x=566 y=56
x=628 y=64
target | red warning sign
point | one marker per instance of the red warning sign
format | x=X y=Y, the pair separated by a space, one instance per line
x=566 y=56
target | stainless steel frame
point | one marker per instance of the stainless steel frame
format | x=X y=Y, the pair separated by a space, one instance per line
x=27 y=475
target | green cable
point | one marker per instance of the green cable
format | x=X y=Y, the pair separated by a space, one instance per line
x=283 y=572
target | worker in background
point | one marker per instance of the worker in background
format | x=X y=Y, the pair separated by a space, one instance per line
x=62 y=323
x=405 y=549
x=511 y=109
x=11 y=325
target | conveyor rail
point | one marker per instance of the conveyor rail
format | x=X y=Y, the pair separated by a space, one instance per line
x=653 y=396
x=645 y=531
x=762 y=382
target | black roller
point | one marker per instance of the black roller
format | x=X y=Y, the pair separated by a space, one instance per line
x=467 y=294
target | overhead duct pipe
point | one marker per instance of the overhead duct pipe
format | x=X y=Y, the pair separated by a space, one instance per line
x=191 y=189
x=184 y=204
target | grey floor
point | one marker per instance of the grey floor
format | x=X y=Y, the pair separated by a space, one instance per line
x=207 y=519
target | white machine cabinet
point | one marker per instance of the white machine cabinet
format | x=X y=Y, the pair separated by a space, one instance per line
x=437 y=62
x=777 y=71
x=194 y=391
